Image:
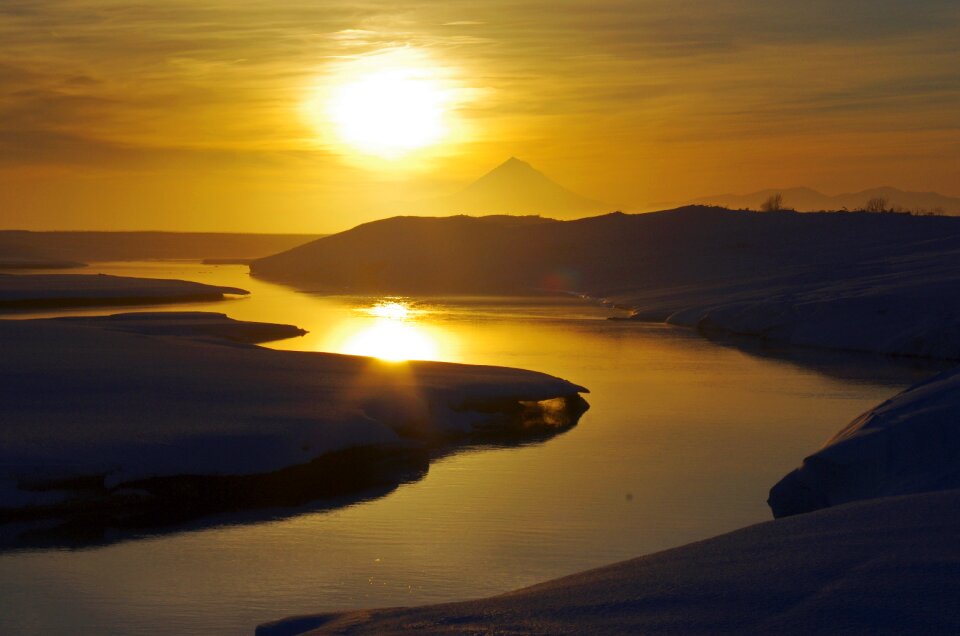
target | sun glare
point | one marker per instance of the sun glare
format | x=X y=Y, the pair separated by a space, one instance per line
x=392 y=340
x=389 y=113
x=391 y=310
x=387 y=105
x=390 y=330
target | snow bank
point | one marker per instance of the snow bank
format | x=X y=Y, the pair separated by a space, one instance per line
x=913 y=312
x=883 y=566
x=66 y=290
x=908 y=444
x=188 y=323
x=94 y=417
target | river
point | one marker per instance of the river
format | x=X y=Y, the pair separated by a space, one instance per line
x=682 y=441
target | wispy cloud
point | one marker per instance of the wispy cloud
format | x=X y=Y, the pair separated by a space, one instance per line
x=96 y=82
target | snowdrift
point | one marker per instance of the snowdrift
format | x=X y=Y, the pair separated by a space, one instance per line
x=124 y=412
x=188 y=323
x=908 y=444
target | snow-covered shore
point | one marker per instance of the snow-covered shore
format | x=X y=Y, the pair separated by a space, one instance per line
x=908 y=444
x=22 y=291
x=885 y=566
x=902 y=306
x=101 y=413
x=195 y=324
x=874 y=551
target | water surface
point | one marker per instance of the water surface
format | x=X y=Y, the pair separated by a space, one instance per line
x=683 y=439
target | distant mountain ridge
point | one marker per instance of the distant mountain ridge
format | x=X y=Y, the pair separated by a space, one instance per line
x=513 y=187
x=809 y=200
x=125 y=246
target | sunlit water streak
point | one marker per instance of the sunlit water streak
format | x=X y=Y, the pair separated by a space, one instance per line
x=682 y=441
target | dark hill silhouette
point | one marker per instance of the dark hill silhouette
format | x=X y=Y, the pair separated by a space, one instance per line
x=808 y=199
x=602 y=255
x=513 y=187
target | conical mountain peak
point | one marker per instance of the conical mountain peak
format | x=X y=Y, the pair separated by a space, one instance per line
x=513 y=169
x=514 y=162
x=515 y=187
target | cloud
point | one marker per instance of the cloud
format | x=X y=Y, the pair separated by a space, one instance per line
x=107 y=83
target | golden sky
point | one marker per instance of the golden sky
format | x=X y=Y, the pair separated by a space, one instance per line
x=218 y=115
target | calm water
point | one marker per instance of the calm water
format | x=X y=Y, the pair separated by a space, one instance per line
x=682 y=442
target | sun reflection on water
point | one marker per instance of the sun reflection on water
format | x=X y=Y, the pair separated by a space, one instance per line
x=392 y=330
x=392 y=310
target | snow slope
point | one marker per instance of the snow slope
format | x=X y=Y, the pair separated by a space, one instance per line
x=66 y=290
x=908 y=444
x=886 y=566
x=101 y=417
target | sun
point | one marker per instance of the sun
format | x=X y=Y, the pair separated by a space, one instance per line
x=390 y=112
x=390 y=104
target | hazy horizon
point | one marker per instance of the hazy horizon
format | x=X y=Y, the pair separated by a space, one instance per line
x=303 y=117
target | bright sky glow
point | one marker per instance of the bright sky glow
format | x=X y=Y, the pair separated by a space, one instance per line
x=389 y=113
x=387 y=105
x=316 y=116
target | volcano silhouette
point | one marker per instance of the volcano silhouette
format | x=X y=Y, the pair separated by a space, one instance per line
x=515 y=187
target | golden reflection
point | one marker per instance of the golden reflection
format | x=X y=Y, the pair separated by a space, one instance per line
x=392 y=330
x=393 y=341
x=391 y=310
